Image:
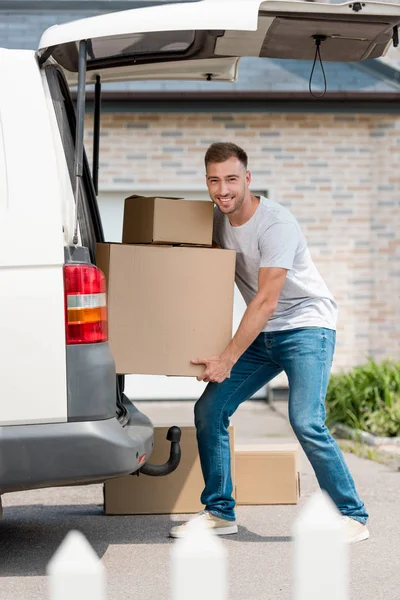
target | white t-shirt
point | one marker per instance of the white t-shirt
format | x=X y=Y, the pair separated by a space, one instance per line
x=273 y=238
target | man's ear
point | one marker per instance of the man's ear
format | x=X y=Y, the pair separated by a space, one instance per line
x=248 y=178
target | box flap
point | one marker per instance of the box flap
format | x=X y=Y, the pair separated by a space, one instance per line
x=133 y=196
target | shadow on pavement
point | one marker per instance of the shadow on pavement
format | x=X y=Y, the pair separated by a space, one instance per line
x=245 y=535
x=31 y=534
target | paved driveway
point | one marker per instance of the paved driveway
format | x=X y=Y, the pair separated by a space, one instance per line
x=135 y=550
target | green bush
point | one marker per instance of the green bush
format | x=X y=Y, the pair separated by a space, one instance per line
x=385 y=421
x=366 y=398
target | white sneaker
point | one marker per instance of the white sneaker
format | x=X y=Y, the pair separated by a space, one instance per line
x=219 y=526
x=354 y=530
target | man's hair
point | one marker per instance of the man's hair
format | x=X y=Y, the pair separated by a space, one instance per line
x=222 y=151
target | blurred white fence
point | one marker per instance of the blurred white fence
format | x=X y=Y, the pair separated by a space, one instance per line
x=199 y=561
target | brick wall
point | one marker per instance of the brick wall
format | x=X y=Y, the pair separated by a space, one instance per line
x=338 y=174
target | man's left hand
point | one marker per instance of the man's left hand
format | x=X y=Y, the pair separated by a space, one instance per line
x=217 y=368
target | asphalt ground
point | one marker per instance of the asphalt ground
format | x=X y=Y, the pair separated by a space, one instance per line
x=135 y=550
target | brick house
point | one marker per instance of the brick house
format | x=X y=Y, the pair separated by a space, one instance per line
x=335 y=163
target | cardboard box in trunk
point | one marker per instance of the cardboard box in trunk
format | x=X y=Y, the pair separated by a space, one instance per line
x=167 y=306
x=267 y=474
x=178 y=492
x=167 y=221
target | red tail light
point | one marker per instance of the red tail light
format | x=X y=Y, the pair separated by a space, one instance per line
x=85 y=304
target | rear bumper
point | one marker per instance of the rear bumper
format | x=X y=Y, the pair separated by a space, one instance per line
x=38 y=456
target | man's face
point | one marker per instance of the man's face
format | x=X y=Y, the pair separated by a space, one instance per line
x=227 y=184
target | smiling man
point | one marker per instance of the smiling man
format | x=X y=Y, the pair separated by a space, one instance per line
x=289 y=325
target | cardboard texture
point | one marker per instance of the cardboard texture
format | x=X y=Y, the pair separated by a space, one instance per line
x=167 y=305
x=176 y=493
x=167 y=221
x=267 y=474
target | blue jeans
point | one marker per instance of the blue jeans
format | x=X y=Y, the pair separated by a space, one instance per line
x=305 y=354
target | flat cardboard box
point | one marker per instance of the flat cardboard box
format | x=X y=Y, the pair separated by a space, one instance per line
x=167 y=305
x=267 y=474
x=167 y=221
x=176 y=493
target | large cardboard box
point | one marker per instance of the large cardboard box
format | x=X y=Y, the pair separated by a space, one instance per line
x=178 y=492
x=267 y=474
x=167 y=221
x=167 y=305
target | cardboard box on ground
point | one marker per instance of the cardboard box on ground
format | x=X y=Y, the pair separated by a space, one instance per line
x=260 y=475
x=267 y=474
x=176 y=493
x=167 y=304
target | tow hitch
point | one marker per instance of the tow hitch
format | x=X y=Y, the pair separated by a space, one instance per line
x=128 y=413
x=173 y=436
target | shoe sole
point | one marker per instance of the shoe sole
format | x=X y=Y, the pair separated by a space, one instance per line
x=360 y=537
x=217 y=531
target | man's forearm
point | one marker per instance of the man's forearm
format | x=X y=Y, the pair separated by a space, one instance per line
x=254 y=319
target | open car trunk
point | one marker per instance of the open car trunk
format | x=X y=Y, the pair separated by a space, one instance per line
x=204 y=40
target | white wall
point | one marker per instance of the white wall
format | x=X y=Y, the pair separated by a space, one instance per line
x=157 y=386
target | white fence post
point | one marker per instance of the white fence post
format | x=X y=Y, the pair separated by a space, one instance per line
x=321 y=559
x=199 y=565
x=75 y=571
